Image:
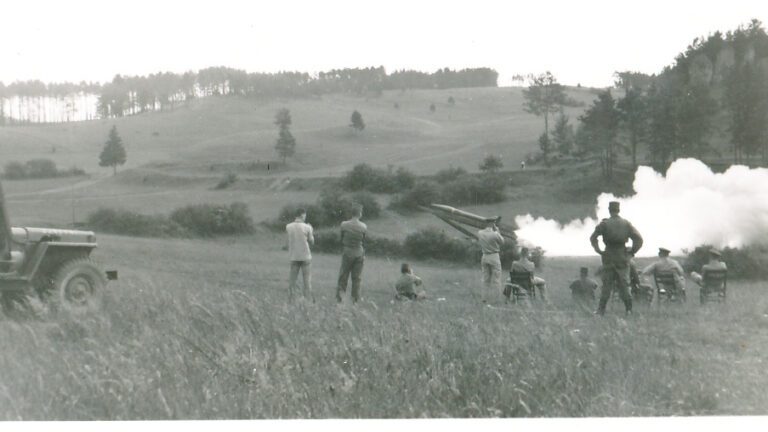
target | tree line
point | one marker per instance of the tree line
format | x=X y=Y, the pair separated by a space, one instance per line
x=714 y=97
x=25 y=101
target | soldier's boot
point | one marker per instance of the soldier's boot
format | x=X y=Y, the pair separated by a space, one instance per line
x=628 y=306
x=601 y=306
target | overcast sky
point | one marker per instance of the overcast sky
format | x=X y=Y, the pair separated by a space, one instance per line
x=580 y=41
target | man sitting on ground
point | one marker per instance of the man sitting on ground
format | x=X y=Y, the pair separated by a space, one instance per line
x=713 y=264
x=524 y=264
x=583 y=288
x=405 y=286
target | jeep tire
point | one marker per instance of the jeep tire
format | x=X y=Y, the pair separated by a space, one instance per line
x=78 y=287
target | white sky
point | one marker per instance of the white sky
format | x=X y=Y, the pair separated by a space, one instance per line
x=580 y=41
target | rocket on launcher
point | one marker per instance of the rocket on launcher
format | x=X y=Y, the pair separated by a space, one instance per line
x=455 y=217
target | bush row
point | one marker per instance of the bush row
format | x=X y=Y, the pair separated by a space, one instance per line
x=365 y=177
x=201 y=220
x=462 y=190
x=750 y=262
x=331 y=208
x=426 y=244
x=37 y=169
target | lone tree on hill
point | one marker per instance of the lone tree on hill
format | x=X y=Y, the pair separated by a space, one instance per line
x=113 y=153
x=545 y=96
x=491 y=164
x=286 y=143
x=357 y=122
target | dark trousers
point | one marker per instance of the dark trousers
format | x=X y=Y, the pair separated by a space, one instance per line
x=350 y=266
x=617 y=277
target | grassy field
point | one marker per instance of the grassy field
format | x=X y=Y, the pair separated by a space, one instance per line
x=202 y=330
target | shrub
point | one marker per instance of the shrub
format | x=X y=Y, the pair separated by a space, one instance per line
x=315 y=216
x=474 y=190
x=41 y=168
x=432 y=243
x=371 y=207
x=365 y=177
x=750 y=262
x=208 y=220
x=227 y=181
x=72 y=172
x=37 y=169
x=329 y=241
x=335 y=206
x=126 y=222
x=449 y=174
x=422 y=194
x=404 y=179
x=15 y=171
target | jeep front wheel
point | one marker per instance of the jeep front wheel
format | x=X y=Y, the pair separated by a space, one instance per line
x=78 y=287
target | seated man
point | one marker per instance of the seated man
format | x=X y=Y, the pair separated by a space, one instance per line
x=583 y=288
x=667 y=264
x=405 y=286
x=524 y=264
x=713 y=264
x=638 y=289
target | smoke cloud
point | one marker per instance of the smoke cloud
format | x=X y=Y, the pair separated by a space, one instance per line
x=688 y=207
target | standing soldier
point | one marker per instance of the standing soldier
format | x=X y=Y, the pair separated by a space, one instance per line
x=490 y=242
x=352 y=255
x=615 y=232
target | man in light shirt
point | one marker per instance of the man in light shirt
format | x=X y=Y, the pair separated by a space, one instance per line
x=524 y=264
x=299 y=238
x=668 y=265
x=713 y=264
x=490 y=241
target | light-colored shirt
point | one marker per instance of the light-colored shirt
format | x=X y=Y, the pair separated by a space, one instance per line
x=299 y=238
x=490 y=241
x=667 y=264
x=523 y=265
x=405 y=284
x=714 y=265
x=352 y=236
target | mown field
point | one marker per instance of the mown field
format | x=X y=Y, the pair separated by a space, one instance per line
x=202 y=330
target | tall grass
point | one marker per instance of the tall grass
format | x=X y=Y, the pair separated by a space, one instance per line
x=197 y=338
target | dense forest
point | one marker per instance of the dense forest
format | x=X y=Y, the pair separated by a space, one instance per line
x=37 y=102
x=710 y=103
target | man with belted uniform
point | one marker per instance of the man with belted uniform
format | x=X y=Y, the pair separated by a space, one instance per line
x=615 y=231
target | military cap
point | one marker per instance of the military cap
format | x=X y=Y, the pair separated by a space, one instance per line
x=664 y=251
x=715 y=252
x=614 y=205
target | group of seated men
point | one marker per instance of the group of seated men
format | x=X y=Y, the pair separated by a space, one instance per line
x=583 y=289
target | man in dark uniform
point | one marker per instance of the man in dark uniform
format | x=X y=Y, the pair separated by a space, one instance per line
x=615 y=232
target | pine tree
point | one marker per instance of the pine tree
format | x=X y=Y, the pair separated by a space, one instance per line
x=286 y=143
x=113 y=153
x=357 y=122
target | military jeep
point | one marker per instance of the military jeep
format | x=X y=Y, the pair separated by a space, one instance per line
x=52 y=265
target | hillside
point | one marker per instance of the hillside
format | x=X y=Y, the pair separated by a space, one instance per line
x=234 y=130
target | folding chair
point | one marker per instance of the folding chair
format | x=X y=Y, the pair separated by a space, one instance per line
x=666 y=288
x=714 y=285
x=520 y=286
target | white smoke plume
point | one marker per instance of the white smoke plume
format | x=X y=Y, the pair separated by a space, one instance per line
x=688 y=207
